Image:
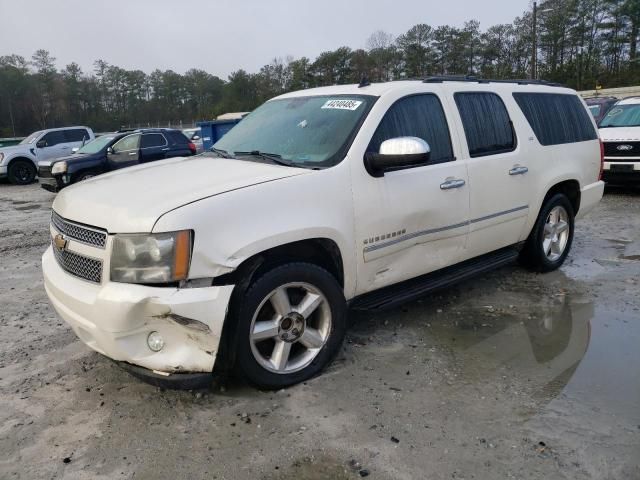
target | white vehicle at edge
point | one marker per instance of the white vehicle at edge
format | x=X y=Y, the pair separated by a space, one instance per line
x=620 y=133
x=19 y=163
x=346 y=196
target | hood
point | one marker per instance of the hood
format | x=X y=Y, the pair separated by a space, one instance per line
x=620 y=134
x=70 y=158
x=132 y=199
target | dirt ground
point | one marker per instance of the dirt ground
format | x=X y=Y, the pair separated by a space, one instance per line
x=511 y=375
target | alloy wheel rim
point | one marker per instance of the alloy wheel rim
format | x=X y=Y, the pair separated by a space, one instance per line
x=556 y=233
x=290 y=327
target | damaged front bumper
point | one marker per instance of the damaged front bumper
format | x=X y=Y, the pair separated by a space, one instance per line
x=115 y=319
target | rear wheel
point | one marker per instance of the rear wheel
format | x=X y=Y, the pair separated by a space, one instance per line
x=291 y=323
x=21 y=172
x=550 y=240
x=85 y=176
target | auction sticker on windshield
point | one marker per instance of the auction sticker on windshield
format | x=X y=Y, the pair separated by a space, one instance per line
x=342 y=104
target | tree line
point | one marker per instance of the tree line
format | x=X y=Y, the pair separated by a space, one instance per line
x=580 y=43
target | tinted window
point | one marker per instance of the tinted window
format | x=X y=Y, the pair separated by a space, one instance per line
x=54 y=138
x=152 y=140
x=76 y=135
x=178 y=137
x=486 y=123
x=556 y=118
x=419 y=116
x=127 y=143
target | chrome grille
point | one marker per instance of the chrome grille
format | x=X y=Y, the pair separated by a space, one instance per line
x=82 y=267
x=94 y=237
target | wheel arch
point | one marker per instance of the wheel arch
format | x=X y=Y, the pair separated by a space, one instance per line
x=22 y=157
x=570 y=188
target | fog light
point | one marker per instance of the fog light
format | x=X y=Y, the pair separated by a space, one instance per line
x=155 y=341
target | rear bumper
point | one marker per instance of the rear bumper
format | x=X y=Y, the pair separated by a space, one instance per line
x=590 y=196
x=115 y=320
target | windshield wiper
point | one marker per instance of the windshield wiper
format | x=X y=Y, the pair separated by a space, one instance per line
x=274 y=157
x=222 y=153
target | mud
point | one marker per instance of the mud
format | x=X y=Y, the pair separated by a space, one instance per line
x=512 y=375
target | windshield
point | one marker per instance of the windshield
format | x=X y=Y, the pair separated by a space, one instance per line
x=96 y=145
x=305 y=131
x=31 y=138
x=622 y=116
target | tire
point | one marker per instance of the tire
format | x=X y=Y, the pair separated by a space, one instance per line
x=21 y=172
x=548 y=245
x=85 y=176
x=277 y=343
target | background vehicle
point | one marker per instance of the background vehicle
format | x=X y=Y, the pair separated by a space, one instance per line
x=620 y=134
x=20 y=162
x=599 y=106
x=111 y=152
x=195 y=136
x=353 y=195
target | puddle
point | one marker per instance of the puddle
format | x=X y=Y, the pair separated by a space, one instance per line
x=28 y=207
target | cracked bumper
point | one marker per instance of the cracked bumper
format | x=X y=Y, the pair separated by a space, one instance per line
x=115 y=319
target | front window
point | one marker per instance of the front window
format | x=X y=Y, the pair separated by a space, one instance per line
x=31 y=138
x=312 y=131
x=96 y=145
x=622 y=116
x=595 y=110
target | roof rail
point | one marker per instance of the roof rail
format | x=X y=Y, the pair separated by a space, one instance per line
x=473 y=78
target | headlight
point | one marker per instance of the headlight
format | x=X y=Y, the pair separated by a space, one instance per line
x=59 y=167
x=153 y=258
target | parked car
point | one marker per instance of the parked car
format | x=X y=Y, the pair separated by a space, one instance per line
x=599 y=106
x=19 y=163
x=360 y=196
x=195 y=136
x=112 y=152
x=620 y=132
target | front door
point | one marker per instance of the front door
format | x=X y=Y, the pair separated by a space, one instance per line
x=52 y=145
x=412 y=221
x=125 y=152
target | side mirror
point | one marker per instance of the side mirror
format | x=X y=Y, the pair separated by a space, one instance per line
x=397 y=154
x=110 y=151
x=41 y=144
x=74 y=149
x=195 y=137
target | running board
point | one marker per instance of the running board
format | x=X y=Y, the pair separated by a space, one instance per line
x=394 y=295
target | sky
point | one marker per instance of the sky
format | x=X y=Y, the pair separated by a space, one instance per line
x=220 y=36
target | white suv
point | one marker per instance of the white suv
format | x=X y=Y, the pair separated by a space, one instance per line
x=19 y=163
x=356 y=196
x=620 y=132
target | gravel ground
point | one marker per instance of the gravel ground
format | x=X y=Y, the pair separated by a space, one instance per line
x=511 y=375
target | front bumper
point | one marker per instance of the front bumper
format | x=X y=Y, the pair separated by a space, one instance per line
x=590 y=196
x=51 y=184
x=115 y=320
x=621 y=171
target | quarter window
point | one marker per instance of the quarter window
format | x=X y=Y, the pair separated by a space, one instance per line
x=486 y=123
x=419 y=116
x=556 y=118
x=152 y=140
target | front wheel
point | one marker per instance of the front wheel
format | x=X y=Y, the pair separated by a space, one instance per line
x=291 y=323
x=21 y=172
x=550 y=240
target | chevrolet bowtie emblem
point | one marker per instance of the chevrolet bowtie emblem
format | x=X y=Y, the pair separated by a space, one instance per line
x=60 y=242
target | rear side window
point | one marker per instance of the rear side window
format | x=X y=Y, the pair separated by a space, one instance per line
x=76 y=135
x=178 y=137
x=152 y=140
x=419 y=116
x=556 y=118
x=486 y=123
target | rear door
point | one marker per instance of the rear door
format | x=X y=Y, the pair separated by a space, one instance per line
x=75 y=138
x=125 y=152
x=498 y=172
x=153 y=146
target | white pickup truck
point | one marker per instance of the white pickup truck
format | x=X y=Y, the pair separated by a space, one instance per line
x=19 y=163
x=357 y=196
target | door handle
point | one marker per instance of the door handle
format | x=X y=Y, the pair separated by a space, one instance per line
x=133 y=153
x=453 y=183
x=518 y=170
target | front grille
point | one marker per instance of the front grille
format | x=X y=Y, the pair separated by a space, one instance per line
x=82 y=267
x=44 y=172
x=90 y=236
x=622 y=149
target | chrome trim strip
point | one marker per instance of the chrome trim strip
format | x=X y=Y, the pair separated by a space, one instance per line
x=421 y=233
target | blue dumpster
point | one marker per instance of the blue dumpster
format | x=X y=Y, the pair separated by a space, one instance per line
x=214 y=130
